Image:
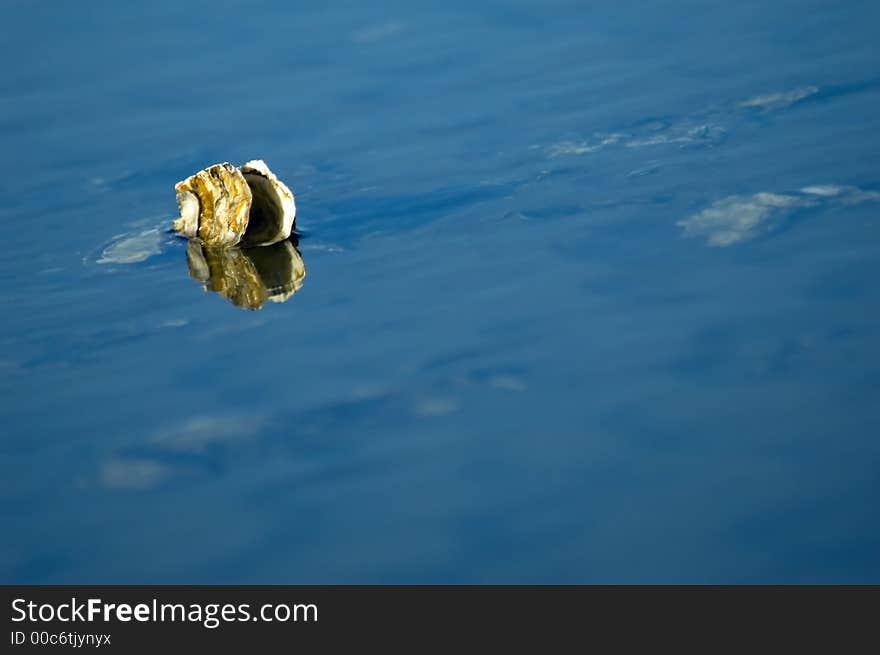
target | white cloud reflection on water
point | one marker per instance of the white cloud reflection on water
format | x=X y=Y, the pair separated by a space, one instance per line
x=683 y=134
x=780 y=99
x=132 y=474
x=199 y=433
x=378 y=32
x=736 y=219
x=569 y=148
x=691 y=130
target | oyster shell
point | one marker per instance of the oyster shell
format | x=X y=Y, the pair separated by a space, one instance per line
x=224 y=206
x=214 y=205
x=273 y=209
x=248 y=277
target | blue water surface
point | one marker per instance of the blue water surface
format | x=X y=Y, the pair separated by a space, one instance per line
x=591 y=294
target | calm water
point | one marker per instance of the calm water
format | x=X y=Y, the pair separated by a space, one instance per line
x=591 y=294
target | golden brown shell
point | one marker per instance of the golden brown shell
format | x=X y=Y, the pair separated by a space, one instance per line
x=214 y=205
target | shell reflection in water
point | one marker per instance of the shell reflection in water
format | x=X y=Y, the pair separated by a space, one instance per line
x=248 y=277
